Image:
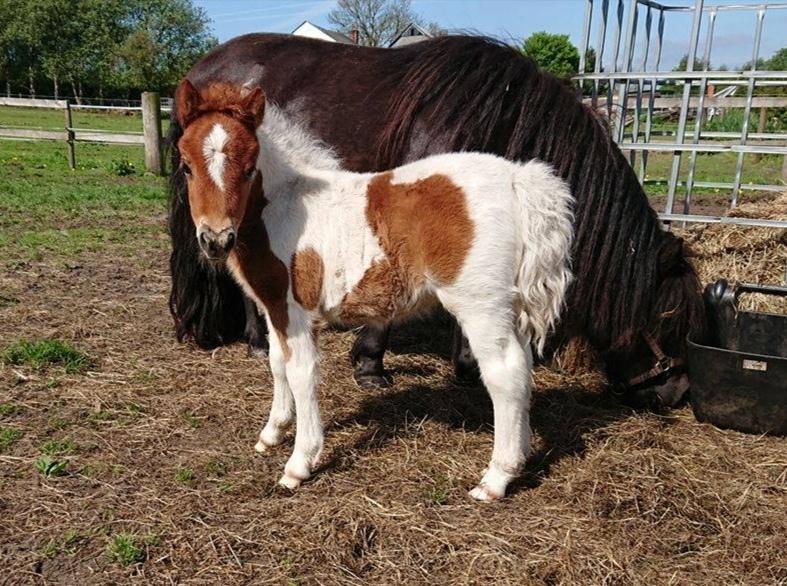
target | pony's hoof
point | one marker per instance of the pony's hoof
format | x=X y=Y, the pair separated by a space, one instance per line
x=372 y=381
x=260 y=447
x=258 y=352
x=485 y=494
x=289 y=482
x=467 y=373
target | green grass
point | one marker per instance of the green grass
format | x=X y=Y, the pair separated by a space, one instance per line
x=439 y=492
x=47 y=352
x=87 y=119
x=713 y=167
x=67 y=544
x=50 y=211
x=58 y=447
x=185 y=475
x=50 y=467
x=7 y=409
x=216 y=468
x=8 y=435
x=126 y=549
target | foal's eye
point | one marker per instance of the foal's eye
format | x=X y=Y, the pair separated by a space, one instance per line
x=186 y=168
x=249 y=173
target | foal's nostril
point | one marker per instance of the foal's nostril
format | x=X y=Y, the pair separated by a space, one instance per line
x=204 y=239
x=229 y=240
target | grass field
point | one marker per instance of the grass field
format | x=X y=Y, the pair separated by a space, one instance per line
x=43 y=118
x=126 y=457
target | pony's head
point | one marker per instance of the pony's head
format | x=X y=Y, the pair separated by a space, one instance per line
x=650 y=363
x=218 y=152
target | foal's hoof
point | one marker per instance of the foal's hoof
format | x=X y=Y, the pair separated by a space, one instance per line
x=372 y=381
x=260 y=447
x=483 y=493
x=289 y=482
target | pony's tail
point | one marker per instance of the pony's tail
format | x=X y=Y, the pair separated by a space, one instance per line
x=545 y=267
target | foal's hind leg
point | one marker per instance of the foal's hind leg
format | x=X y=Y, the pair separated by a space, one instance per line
x=506 y=363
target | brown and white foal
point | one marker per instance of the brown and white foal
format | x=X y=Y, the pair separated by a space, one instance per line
x=487 y=238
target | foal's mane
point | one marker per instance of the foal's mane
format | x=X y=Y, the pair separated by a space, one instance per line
x=478 y=94
x=218 y=97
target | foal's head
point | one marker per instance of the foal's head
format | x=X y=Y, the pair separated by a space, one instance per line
x=218 y=152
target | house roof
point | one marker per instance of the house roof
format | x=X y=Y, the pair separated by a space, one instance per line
x=405 y=36
x=336 y=36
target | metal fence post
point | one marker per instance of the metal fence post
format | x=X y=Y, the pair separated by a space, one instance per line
x=151 y=128
x=72 y=162
x=784 y=169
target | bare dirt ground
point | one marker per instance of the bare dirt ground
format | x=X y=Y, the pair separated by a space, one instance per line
x=162 y=450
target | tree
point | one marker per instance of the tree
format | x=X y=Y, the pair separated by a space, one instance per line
x=166 y=38
x=120 y=45
x=699 y=64
x=554 y=53
x=377 y=21
x=778 y=61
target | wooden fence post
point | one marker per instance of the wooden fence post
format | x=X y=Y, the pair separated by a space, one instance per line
x=72 y=161
x=761 y=128
x=151 y=128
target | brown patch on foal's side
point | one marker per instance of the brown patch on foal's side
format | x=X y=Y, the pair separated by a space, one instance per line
x=306 y=273
x=423 y=225
x=377 y=296
x=424 y=229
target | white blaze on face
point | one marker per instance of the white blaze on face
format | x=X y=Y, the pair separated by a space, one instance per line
x=213 y=150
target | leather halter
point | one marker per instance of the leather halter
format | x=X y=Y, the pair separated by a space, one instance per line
x=664 y=365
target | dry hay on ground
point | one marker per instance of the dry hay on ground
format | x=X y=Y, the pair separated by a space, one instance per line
x=609 y=497
x=745 y=254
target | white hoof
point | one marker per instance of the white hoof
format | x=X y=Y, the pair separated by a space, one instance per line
x=485 y=494
x=260 y=447
x=289 y=482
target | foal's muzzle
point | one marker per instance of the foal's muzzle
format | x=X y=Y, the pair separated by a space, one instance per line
x=216 y=245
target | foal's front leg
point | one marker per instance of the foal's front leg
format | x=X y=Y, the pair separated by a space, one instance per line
x=301 y=366
x=283 y=405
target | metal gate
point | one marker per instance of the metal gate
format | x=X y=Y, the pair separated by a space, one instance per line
x=629 y=89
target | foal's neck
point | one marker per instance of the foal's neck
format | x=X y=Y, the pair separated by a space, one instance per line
x=288 y=153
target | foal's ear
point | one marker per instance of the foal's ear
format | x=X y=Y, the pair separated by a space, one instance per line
x=252 y=103
x=187 y=102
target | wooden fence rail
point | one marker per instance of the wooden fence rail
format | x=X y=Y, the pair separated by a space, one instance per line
x=150 y=138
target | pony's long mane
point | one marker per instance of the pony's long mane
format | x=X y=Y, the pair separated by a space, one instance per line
x=471 y=93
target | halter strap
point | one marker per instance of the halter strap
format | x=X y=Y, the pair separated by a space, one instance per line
x=664 y=364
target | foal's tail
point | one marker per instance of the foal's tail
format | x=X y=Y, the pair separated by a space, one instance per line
x=545 y=267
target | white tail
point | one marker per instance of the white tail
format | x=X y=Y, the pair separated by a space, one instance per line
x=545 y=267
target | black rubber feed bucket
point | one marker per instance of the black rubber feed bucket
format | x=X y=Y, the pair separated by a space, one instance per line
x=740 y=380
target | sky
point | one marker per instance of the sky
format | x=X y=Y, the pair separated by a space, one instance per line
x=514 y=20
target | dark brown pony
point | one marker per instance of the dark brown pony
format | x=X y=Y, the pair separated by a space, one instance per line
x=635 y=297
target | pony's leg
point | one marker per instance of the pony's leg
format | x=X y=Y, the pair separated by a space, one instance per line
x=256 y=332
x=465 y=365
x=301 y=369
x=367 y=356
x=282 y=406
x=506 y=364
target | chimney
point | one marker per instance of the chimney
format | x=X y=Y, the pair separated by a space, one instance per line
x=354 y=36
